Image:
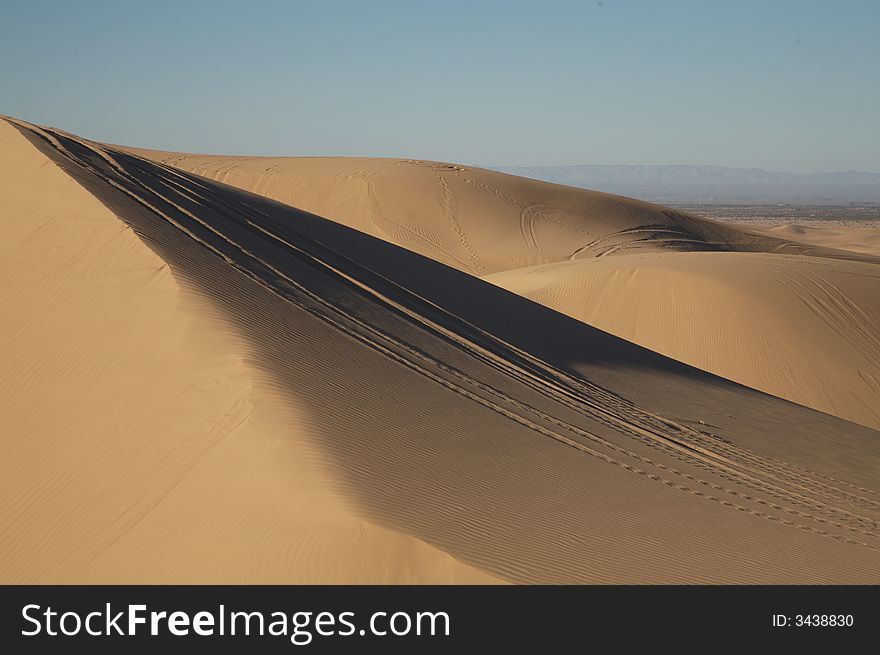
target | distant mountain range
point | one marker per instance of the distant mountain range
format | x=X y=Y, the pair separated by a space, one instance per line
x=712 y=184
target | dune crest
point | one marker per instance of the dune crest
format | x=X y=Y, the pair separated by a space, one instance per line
x=802 y=326
x=140 y=444
x=476 y=220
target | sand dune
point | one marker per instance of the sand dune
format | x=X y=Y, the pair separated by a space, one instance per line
x=472 y=429
x=802 y=328
x=775 y=324
x=139 y=442
x=855 y=236
x=472 y=219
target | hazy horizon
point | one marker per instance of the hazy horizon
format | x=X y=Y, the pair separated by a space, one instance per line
x=787 y=86
x=713 y=184
x=671 y=164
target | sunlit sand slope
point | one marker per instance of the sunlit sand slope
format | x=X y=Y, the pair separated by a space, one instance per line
x=139 y=442
x=862 y=236
x=803 y=328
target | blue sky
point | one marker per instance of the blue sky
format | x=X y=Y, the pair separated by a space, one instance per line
x=782 y=85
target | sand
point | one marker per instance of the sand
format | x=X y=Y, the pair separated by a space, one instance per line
x=856 y=236
x=472 y=219
x=207 y=384
x=804 y=327
x=139 y=442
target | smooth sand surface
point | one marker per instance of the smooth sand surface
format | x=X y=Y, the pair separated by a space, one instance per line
x=857 y=236
x=362 y=411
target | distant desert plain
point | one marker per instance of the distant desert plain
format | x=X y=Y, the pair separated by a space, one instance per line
x=227 y=369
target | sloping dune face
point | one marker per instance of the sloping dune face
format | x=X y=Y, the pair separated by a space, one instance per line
x=801 y=327
x=521 y=442
x=139 y=443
